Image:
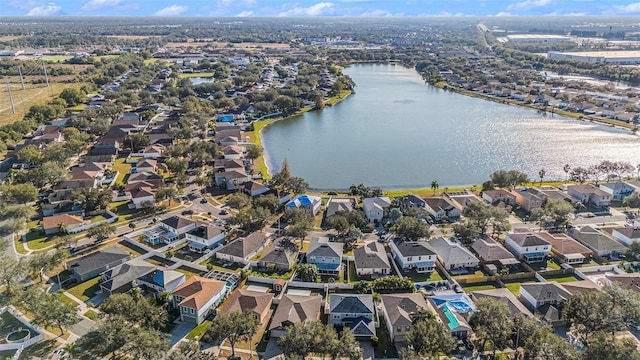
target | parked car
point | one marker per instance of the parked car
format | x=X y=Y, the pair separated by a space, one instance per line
x=187 y=212
x=224 y=212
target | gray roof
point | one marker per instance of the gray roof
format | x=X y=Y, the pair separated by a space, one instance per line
x=161 y=277
x=413 y=248
x=244 y=246
x=528 y=239
x=282 y=251
x=97 y=260
x=322 y=247
x=631 y=233
x=547 y=291
x=294 y=309
x=125 y=274
x=379 y=202
x=490 y=250
x=451 y=252
x=400 y=307
x=177 y=222
x=205 y=231
x=339 y=204
x=371 y=256
x=351 y=303
x=507 y=297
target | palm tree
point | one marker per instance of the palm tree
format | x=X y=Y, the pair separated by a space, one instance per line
x=541 y=174
x=567 y=169
x=435 y=186
x=62 y=228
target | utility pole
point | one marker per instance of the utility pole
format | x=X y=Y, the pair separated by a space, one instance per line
x=21 y=78
x=13 y=108
x=44 y=67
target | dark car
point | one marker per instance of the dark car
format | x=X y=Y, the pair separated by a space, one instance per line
x=203 y=201
x=224 y=212
x=187 y=212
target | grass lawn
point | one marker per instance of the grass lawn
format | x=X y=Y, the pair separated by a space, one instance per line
x=476 y=287
x=198 y=331
x=190 y=271
x=353 y=275
x=65 y=298
x=423 y=277
x=514 y=288
x=86 y=290
x=121 y=208
x=37 y=240
x=214 y=263
x=123 y=168
x=56 y=58
x=195 y=74
x=91 y=314
x=7 y=354
x=384 y=349
x=562 y=279
x=80 y=107
x=548 y=265
x=9 y=324
x=476 y=275
x=20 y=245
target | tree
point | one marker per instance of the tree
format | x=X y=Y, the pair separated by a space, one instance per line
x=136 y=141
x=307 y=272
x=91 y=199
x=466 y=232
x=43 y=262
x=31 y=155
x=296 y=185
x=102 y=231
x=632 y=201
x=166 y=192
x=541 y=174
x=482 y=215
x=434 y=186
x=189 y=350
x=602 y=346
x=11 y=271
x=49 y=173
x=238 y=200
x=492 y=323
x=567 y=169
x=177 y=165
x=253 y=152
x=232 y=326
x=508 y=179
x=580 y=174
x=305 y=337
x=339 y=223
x=146 y=344
x=47 y=309
x=411 y=228
x=281 y=177
x=269 y=202
x=136 y=310
x=19 y=193
x=109 y=336
x=554 y=214
x=429 y=338
x=73 y=96
x=300 y=222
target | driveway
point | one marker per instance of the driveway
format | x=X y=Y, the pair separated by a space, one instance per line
x=179 y=332
x=82 y=327
x=367 y=350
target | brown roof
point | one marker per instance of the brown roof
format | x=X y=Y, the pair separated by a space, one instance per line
x=580 y=286
x=197 y=291
x=627 y=281
x=565 y=245
x=248 y=300
x=51 y=222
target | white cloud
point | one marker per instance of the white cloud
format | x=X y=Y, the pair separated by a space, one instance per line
x=173 y=10
x=632 y=8
x=98 y=4
x=237 y=3
x=528 y=5
x=322 y=8
x=504 y=13
x=377 y=12
x=245 y=13
x=45 y=10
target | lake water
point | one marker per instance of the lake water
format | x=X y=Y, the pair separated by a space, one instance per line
x=398 y=132
x=201 y=80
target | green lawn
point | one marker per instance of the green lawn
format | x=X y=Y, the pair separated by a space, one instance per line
x=213 y=263
x=353 y=275
x=77 y=107
x=196 y=74
x=198 y=331
x=86 y=290
x=514 y=288
x=384 y=349
x=548 y=265
x=423 y=277
x=37 y=240
x=477 y=287
x=123 y=168
x=9 y=324
x=65 y=298
x=91 y=314
x=56 y=58
x=190 y=271
x=562 y=279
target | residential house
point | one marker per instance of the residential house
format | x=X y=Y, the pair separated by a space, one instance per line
x=598 y=242
x=627 y=235
x=527 y=246
x=225 y=165
x=371 y=260
x=142 y=196
x=256 y=302
x=500 y=198
x=232 y=179
x=626 y=281
x=453 y=310
x=545 y=299
x=355 y=311
x=375 y=208
x=413 y=201
x=161 y=280
x=578 y=286
x=453 y=255
x=490 y=251
x=293 y=309
x=66 y=222
x=119 y=279
x=440 y=207
x=233 y=152
x=326 y=255
x=567 y=249
x=309 y=202
x=205 y=237
x=336 y=205
x=281 y=255
x=413 y=255
x=461 y=199
x=147 y=165
x=399 y=311
x=145 y=176
x=253 y=188
x=95 y=263
x=176 y=227
x=197 y=297
x=527 y=200
x=590 y=194
x=153 y=151
x=242 y=249
x=618 y=190
x=506 y=296
x=551 y=192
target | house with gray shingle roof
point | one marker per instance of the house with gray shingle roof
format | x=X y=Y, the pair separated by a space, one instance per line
x=545 y=299
x=282 y=254
x=336 y=204
x=120 y=279
x=242 y=249
x=597 y=241
x=527 y=246
x=627 y=235
x=356 y=311
x=371 y=260
x=161 y=280
x=375 y=208
x=326 y=255
x=453 y=255
x=256 y=302
x=92 y=265
x=413 y=255
x=566 y=248
x=176 y=227
x=490 y=251
x=506 y=296
x=205 y=237
x=398 y=311
x=294 y=309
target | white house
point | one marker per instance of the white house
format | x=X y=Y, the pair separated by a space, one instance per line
x=618 y=190
x=197 y=297
x=529 y=247
x=440 y=207
x=161 y=280
x=175 y=227
x=143 y=196
x=398 y=311
x=545 y=299
x=147 y=165
x=453 y=255
x=627 y=235
x=205 y=237
x=375 y=208
x=417 y=255
x=326 y=255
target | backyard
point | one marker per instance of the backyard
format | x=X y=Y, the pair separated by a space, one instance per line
x=189 y=272
x=10 y=324
x=213 y=263
x=478 y=286
x=562 y=278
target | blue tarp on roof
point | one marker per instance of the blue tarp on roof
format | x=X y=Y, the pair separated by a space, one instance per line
x=301 y=200
x=459 y=303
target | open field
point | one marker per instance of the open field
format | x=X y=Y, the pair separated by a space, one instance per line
x=56 y=58
x=195 y=74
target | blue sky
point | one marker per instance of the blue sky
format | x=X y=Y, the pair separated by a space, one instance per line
x=318 y=7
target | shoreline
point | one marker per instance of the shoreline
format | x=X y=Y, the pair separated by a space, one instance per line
x=259 y=126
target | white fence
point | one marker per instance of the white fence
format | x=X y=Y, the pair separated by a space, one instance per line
x=112 y=218
x=18 y=345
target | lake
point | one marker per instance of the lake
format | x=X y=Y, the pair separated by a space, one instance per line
x=398 y=132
